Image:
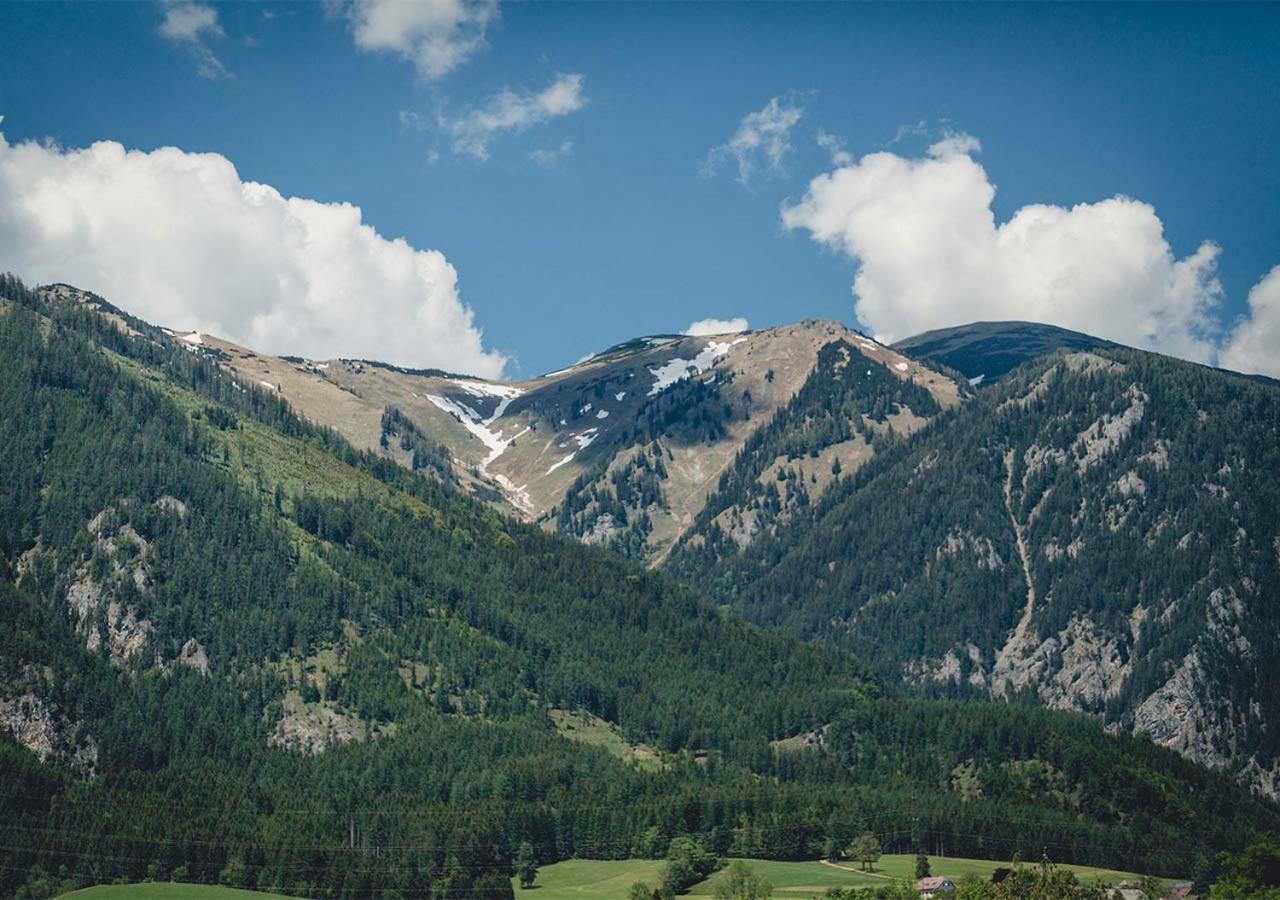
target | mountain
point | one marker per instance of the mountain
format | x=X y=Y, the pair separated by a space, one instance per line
x=983 y=352
x=1096 y=532
x=621 y=449
x=234 y=647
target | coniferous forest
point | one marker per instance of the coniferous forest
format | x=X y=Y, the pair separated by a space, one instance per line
x=239 y=650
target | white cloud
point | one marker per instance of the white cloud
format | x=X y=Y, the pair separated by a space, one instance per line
x=436 y=35
x=512 y=111
x=550 y=157
x=716 y=326
x=193 y=25
x=834 y=145
x=954 y=143
x=931 y=254
x=179 y=239
x=1254 y=346
x=766 y=132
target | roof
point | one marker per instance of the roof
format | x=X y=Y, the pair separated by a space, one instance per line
x=932 y=883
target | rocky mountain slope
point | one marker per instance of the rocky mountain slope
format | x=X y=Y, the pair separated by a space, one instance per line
x=1098 y=532
x=621 y=449
x=233 y=644
x=734 y=460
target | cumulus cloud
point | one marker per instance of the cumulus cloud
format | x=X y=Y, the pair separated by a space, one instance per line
x=550 y=157
x=1254 y=346
x=765 y=133
x=179 y=239
x=955 y=143
x=193 y=25
x=716 y=326
x=437 y=36
x=930 y=254
x=513 y=111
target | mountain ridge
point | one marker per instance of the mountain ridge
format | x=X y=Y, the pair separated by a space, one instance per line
x=213 y=607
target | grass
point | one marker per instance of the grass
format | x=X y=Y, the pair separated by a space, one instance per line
x=590 y=879
x=579 y=879
x=810 y=879
x=597 y=879
x=164 y=891
x=261 y=457
x=589 y=729
x=795 y=879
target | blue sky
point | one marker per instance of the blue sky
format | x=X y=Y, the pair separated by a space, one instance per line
x=626 y=233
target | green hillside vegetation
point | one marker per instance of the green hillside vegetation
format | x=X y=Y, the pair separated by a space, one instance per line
x=1143 y=490
x=249 y=653
x=593 y=879
x=847 y=402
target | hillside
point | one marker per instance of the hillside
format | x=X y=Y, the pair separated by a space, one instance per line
x=234 y=645
x=621 y=449
x=984 y=352
x=1097 y=532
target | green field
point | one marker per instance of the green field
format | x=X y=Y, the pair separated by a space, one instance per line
x=596 y=879
x=165 y=891
x=806 y=879
x=796 y=879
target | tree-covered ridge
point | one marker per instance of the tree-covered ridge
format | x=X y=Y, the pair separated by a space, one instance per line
x=1097 y=533
x=848 y=409
x=319 y=672
x=987 y=351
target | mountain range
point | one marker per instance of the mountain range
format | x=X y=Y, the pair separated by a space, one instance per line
x=1131 y=492
x=340 y=614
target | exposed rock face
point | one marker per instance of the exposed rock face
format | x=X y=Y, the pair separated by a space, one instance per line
x=114 y=624
x=28 y=720
x=45 y=733
x=312 y=728
x=964 y=541
x=601 y=530
x=1093 y=667
x=1179 y=717
x=1106 y=434
x=194 y=657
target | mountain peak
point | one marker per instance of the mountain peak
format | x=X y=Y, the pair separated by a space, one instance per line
x=986 y=351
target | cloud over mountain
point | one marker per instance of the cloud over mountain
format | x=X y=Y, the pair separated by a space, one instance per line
x=930 y=254
x=716 y=326
x=1255 y=343
x=178 y=238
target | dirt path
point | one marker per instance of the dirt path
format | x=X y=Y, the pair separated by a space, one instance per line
x=827 y=862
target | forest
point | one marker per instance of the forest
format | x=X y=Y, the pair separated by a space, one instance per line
x=242 y=652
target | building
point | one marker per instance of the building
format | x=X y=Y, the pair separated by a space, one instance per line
x=934 y=885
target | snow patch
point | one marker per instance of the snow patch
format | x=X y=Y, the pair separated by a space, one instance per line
x=193 y=338
x=618 y=396
x=901 y=367
x=977 y=379
x=477 y=424
x=562 y=462
x=602 y=414
x=679 y=369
